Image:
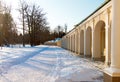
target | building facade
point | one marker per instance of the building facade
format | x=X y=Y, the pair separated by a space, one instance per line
x=98 y=37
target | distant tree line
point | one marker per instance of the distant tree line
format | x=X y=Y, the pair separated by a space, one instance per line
x=34 y=25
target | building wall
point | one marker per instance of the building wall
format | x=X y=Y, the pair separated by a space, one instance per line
x=98 y=38
x=92 y=37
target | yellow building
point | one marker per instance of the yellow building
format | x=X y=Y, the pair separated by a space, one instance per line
x=98 y=37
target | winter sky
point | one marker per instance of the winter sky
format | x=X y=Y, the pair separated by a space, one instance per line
x=60 y=12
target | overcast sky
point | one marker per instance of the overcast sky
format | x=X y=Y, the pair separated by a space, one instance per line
x=60 y=12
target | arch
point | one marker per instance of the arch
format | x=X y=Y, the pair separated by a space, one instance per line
x=99 y=40
x=88 y=41
x=82 y=42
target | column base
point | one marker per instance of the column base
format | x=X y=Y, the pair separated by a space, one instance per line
x=82 y=56
x=81 y=53
x=88 y=56
x=112 y=75
x=107 y=64
x=102 y=58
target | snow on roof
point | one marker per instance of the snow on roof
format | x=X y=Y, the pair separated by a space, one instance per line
x=57 y=39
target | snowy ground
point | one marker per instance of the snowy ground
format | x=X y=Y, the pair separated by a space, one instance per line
x=46 y=64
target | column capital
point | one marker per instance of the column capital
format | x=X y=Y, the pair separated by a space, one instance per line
x=108 y=11
x=93 y=21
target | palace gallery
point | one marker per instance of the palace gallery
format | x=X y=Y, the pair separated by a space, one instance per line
x=98 y=37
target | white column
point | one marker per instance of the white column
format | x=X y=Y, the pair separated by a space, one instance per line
x=66 y=43
x=93 y=41
x=70 y=43
x=107 y=38
x=115 y=47
x=78 y=41
x=114 y=69
x=85 y=42
x=75 y=42
x=76 y=36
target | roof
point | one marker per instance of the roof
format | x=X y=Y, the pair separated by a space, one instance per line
x=94 y=12
x=107 y=1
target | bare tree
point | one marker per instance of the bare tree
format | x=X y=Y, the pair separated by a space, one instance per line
x=65 y=28
x=59 y=31
x=35 y=20
x=22 y=9
x=7 y=26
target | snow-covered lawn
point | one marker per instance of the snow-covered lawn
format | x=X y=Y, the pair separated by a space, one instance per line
x=46 y=64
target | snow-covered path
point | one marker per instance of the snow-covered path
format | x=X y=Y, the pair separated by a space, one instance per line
x=45 y=64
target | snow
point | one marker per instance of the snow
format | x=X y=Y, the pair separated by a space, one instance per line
x=56 y=40
x=46 y=64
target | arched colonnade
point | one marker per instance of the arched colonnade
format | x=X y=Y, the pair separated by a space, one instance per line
x=92 y=37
